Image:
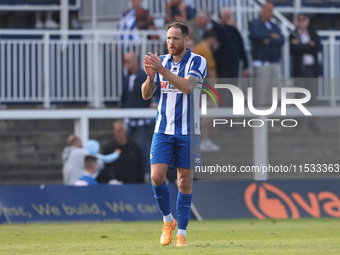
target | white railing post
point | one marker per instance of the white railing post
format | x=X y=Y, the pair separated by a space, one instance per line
x=286 y=53
x=94 y=15
x=144 y=42
x=81 y=128
x=64 y=14
x=332 y=69
x=260 y=150
x=96 y=87
x=47 y=99
x=239 y=14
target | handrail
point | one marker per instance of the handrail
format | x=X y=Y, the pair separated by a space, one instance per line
x=87 y=69
x=33 y=7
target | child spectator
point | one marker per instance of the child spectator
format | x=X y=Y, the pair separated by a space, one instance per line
x=91 y=167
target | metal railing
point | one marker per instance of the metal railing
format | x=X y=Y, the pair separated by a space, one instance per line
x=67 y=66
x=29 y=6
x=86 y=66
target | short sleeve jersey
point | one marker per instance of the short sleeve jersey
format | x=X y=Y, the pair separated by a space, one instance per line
x=178 y=113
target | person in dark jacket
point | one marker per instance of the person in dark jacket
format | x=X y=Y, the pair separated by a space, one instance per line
x=129 y=167
x=132 y=98
x=231 y=50
x=266 y=40
x=304 y=48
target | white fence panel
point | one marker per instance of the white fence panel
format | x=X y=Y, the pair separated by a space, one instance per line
x=89 y=67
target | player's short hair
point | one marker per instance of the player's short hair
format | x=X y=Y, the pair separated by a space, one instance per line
x=89 y=161
x=181 y=26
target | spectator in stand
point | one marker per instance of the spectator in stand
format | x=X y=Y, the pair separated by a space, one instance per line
x=206 y=48
x=73 y=159
x=178 y=10
x=267 y=40
x=74 y=21
x=134 y=19
x=231 y=49
x=132 y=98
x=128 y=168
x=49 y=22
x=198 y=26
x=227 y=17
x=304 y=48
x=93 y=148
x=91 y=168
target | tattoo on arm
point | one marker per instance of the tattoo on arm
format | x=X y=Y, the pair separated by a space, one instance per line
x=193 y=82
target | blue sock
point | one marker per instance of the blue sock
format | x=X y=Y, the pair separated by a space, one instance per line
x=183 y=209
x=162 y=196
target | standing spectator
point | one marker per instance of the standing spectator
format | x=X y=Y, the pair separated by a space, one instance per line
x=91 y=168
x=178 y=10
x=227 y=17
x=198 y=26
x=73 y=160
x=231 y=49
x=134 y=19
x=304 y=47
x=128 y=168
x=49 y=22
x=132 y=98
x=206 y=49
x=266 y=39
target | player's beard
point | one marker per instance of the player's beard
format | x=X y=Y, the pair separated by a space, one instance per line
x=177 y=50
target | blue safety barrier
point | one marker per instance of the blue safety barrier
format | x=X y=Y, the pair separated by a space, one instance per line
x=69 y=203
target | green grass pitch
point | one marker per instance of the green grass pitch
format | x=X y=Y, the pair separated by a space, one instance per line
x=303 y=236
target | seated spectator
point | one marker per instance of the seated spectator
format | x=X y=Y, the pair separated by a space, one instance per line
x=129 y=167
x=178 y=10
x=49 y=22
x=134 y=19
x=73 y=160
x=91 y=168
x=93 y=148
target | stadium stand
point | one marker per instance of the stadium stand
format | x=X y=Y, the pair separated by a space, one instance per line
x=75 y=69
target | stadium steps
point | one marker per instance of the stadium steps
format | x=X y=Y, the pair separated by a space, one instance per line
x=30 y=151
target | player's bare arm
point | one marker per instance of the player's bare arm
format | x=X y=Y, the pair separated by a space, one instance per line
x=186 y=85
x=149 y=86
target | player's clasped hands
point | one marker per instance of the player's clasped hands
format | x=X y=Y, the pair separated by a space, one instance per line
x=152 y=61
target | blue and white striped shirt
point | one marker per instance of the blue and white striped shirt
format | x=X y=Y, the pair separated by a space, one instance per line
x=178 y=113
